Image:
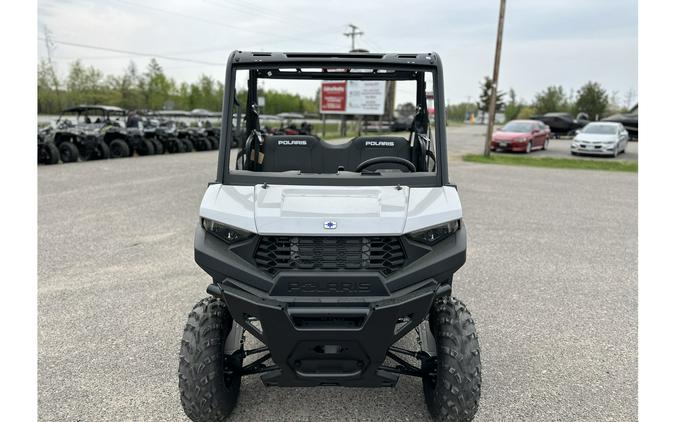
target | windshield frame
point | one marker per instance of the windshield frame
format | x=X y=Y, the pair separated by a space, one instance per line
x=427 y=179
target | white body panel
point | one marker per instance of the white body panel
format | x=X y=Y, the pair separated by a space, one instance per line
x=354 y=210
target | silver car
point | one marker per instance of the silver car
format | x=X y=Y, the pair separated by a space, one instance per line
x=600 y=138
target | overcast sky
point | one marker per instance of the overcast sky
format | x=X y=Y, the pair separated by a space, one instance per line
x=551 y=42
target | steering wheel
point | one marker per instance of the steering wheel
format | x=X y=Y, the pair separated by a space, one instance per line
x=390 y=160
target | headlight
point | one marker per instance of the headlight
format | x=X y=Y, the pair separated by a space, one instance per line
x=225 y=233
x=521 y=140
x=435 y=234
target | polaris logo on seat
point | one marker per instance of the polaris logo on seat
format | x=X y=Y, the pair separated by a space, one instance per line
x=289 y=142
x=379 y=143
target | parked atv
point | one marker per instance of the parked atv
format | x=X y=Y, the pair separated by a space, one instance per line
x=205 y=120
x=79 y=133
x=134 y=136
x=338 y=258
x=48 y=152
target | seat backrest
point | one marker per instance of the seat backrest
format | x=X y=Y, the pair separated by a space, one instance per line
x=311 y=155
x=366 y=147
x=291 y=152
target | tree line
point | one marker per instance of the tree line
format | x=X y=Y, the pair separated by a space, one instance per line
x=151 y=89
x=591 y=98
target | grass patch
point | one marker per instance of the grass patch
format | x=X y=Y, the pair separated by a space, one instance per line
x=551 y=162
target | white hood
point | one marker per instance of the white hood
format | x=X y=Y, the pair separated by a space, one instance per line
x=595 y=138
x=330 y=210
x=351 y=210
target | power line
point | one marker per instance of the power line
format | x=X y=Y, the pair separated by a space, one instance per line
x=353 y=34
x=135 y=53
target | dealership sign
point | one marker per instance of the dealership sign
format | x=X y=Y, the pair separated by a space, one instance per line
x=353 y=97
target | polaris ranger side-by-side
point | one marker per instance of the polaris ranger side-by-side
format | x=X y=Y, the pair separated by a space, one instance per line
x=330 y=253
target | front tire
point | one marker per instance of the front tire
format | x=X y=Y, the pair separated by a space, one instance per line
x=48 y=153
x=102 y=151
x=189 y=146
x=528 y=149
x=159 y=147
x=68 y=152
x=452 y=391
x=119 y=149
x=146 y=148
x=208 y=389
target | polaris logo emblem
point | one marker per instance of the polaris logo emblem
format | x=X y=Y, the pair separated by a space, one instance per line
x=329 y=225
x=289 y=142
x=379 y=143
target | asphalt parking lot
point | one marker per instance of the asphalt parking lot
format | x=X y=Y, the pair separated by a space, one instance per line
x=466 y=139
x=550 y=278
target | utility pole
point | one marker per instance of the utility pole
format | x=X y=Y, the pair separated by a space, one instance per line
x=49 y=45
x=495 y=80
x=353 y=34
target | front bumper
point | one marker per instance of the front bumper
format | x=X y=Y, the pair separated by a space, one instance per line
x=329 y=327
x=593 y=149
x=508 y=146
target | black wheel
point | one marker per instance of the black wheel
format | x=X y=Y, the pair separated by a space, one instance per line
x=452 y=391
x=159 y=147
x=176 y=146
x=101 y=152
x=68 y=152
x=214 y=143
x=48 y=153
x=146 y=147
x=119 y=149
x=208 y=389
x=189 y=146
x=545 y=147
x=203 y=145
x=528 y=149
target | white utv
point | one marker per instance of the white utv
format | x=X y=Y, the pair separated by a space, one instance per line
x=329 y=253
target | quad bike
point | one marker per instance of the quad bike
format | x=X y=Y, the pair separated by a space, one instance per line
x=336 y=258
x=48 y=153
x=79 y=134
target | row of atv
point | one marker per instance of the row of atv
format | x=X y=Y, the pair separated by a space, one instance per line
x=99 y=132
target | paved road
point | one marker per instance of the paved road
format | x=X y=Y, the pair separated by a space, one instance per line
x=551 y=279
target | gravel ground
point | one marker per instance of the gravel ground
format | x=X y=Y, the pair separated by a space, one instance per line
x=551 y=280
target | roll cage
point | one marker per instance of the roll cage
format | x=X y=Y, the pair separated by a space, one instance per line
x=333 y=66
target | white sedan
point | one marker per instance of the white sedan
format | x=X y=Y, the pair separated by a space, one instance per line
x=600 y=138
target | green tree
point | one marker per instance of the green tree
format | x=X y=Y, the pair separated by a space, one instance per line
x=84 y=84
x=592 y=99
x=484 y=98
x=150 y=90
x=157 y=87
x=513 y=107
x=457 y=112
x=551 y=99
x=48 y=89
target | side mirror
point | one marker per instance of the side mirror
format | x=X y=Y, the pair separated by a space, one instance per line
x=535 y=131
x=577 y=131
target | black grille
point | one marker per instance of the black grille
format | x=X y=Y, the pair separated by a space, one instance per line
x=279 y=253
